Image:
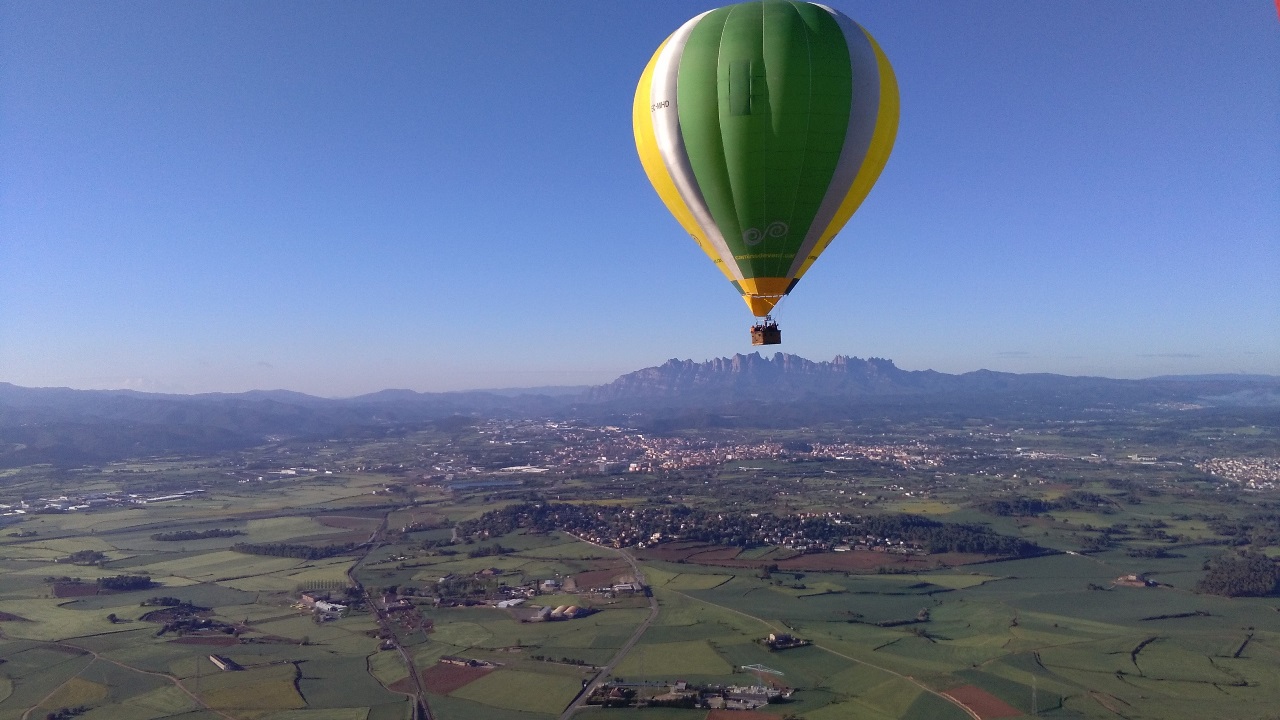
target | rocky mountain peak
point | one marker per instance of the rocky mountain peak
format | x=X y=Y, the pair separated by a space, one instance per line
x=753 y=375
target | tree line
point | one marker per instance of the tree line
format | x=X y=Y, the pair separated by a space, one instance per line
x=293 y=550
x=1019 y=506
x=183 y=535
x=126 y=582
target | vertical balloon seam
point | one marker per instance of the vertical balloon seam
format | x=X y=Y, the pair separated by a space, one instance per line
x=775 y=118
x=820 y=151
x=886 y=130
x=778 y=267
x=740 y=209
x=825 y=78
x=651 y=160
x=864 y=102
x=704 y=137
x=760 y=290
x=673 y=148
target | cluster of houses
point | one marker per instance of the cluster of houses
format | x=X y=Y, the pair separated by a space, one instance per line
x=1135 y=580
x=783 y=641
x=1251 y=473
x=81 y=503
x=747 y=697
x=883 y=545
x=683 y=694
x=466 y=662
x=508 y=597
x=321 y=607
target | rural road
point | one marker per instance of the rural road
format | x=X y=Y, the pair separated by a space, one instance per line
x=908 y=678
x=618 y=657
x=98 y=658
x=423 y=710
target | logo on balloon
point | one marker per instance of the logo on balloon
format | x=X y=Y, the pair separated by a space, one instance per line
x=776 y=229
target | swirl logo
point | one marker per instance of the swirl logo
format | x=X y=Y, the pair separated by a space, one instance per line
x=776 y=229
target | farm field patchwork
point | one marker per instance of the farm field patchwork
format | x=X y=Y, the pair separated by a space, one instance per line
x=891 y=635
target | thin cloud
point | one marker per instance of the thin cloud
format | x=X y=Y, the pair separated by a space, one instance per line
x=1169 y=355
x=1013 y=353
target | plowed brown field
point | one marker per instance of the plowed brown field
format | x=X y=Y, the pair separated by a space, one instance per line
x=64 y=590
x=443 y=678
x=599 y=578
x=987 y=706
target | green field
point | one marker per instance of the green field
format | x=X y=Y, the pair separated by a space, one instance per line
x=669 y=660
x=522 y=690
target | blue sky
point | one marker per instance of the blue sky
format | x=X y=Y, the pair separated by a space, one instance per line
x=339 y=197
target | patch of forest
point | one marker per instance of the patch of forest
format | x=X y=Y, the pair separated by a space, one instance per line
x=625 y=526
x=126 y=582
x=183 y=535
x=293 y=550
x=1236 y=574
x=1019 y=506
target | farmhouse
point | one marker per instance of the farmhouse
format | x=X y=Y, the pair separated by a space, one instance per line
x=647 y=693
x=782 y=641
x=465 y=662
x=1135 y=580
x=329 y=608
x=750 y=697
x=225 y=664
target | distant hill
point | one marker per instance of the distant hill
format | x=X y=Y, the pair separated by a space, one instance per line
x=62 y=425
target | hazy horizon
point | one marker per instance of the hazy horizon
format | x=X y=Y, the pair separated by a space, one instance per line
x=554 y=386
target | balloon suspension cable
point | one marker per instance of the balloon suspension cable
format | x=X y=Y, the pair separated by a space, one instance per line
x=766 y=332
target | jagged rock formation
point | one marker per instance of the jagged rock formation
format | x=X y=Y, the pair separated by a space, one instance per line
x=742 y=377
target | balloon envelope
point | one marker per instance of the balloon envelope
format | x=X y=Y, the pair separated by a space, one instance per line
x=763 y=126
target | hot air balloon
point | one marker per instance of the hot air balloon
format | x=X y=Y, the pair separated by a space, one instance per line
x=763 y=126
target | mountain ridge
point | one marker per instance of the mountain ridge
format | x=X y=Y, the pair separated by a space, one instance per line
x=65 y=425
x=751 y=364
